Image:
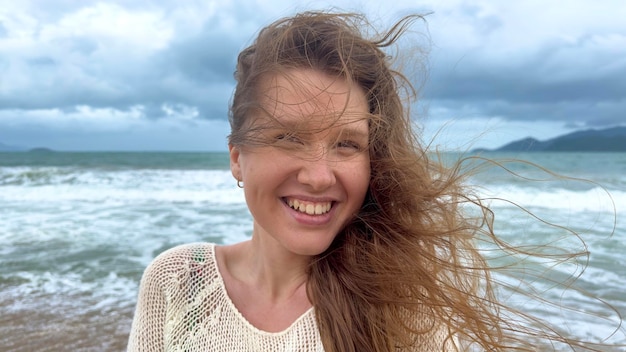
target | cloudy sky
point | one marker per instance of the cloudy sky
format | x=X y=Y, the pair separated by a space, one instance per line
x=157 y=75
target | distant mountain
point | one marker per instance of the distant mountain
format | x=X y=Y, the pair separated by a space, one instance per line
x=40 y=150
x=11 y=148
x=606 y=140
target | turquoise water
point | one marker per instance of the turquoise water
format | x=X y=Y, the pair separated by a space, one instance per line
x=113 y=160
x=77 y=230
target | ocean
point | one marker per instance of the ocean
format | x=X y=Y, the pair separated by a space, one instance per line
x=78 y=229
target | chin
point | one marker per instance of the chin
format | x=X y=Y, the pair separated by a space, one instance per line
x=312 y=249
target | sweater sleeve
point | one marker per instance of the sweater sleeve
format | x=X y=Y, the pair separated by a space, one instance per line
x=147 y=331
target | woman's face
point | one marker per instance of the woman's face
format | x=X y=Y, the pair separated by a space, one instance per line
x=311 y=174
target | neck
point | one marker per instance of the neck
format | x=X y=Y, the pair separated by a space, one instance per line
x=275 y=273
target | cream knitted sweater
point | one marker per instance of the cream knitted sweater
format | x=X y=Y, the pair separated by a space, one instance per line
x=183 y=306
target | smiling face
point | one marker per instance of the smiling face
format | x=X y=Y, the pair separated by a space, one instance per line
x=310 y=175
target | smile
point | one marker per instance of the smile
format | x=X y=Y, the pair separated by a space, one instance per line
x=309 y=208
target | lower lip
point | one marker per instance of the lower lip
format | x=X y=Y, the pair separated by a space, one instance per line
x=310 y=220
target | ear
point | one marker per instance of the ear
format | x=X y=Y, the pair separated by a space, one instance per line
x=235 y=167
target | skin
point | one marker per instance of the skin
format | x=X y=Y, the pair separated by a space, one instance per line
x=315 y=160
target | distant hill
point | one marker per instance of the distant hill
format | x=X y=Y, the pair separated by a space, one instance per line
x=12 y=148
x=40 y=150
x=606 y=140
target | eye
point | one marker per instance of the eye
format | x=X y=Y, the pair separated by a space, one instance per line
x=288 y=138
x=349 y=144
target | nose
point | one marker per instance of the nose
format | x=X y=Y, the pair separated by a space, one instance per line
x=317 y=173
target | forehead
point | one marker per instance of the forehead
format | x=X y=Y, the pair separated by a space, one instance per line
x=312 y=98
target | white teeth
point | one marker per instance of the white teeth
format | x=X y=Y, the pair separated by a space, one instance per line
x=310 y=208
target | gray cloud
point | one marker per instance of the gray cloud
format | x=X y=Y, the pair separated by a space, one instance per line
x=168 y=61
x=579 y=81
x=193 y=70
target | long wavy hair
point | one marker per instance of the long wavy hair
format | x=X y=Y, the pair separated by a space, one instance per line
x=411 y=251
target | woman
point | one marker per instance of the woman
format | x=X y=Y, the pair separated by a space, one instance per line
x=359 y=240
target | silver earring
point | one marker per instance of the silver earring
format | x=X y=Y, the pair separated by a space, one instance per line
x=239 y=184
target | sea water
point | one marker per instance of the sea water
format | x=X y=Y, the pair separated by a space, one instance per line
x=77 y=230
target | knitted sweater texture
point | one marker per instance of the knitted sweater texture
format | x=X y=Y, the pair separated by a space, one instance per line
x=183 y=306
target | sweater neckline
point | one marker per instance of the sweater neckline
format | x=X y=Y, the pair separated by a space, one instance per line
x=240 y=316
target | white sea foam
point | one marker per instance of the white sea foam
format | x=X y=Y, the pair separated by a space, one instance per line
x=213 y=186
x=595 y=199
x=110 y=289
x=567 y=308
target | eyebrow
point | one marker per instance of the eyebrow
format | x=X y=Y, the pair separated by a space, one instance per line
x=354 y=132
x=344 y=129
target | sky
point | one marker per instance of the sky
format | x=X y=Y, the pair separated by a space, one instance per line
x=157 y=75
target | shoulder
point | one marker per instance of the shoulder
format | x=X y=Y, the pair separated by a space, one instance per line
x=180 y=261
x=197 y=251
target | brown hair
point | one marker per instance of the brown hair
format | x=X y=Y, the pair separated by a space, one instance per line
x=411 y=251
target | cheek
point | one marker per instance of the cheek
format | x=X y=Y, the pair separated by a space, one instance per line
x=365 y=184
x=360 y=180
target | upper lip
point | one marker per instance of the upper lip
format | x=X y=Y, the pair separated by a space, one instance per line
x=310 y=199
